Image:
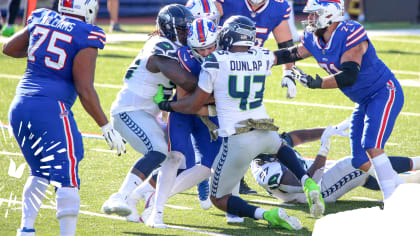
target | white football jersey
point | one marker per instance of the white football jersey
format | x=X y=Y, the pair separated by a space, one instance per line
x=140 y=85
x=238 y=83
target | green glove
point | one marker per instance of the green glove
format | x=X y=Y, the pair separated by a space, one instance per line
x=159 y=96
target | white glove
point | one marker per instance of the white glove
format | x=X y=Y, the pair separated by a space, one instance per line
x=340 y=129
x=325 y=141
x=113 y=138
x=289 y=82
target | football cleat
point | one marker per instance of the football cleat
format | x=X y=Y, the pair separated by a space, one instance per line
x=314 y=198
x=204 y=194
x=279 y=218
x=25 y=232
x=232 y=219
x=134 y=216
x=116 y=204
x=156 y=220
x=245 y=189
x=8 y=31
x=149 y=198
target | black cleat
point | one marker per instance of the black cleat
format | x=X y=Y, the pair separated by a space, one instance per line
x=245 y=189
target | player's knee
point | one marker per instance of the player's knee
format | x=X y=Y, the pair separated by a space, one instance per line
x=149 y=162
x=175 y=157
x=68 y=202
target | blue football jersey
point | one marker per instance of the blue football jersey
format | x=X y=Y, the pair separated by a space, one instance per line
x=373 y=73
x=188 y=61
x=266 y=18
x=54 y=42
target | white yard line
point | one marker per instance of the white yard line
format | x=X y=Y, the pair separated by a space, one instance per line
x=118 y=218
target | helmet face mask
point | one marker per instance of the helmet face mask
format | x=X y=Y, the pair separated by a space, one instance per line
x=173 y=22
x=256 y=3
x=204 y=8
x=202 y=34
x=85 y=8
x=322 y=13
x=237 y=31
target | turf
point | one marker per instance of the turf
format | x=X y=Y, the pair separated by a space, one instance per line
x=103 y=172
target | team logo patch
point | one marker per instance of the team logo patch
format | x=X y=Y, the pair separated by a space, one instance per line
x=211 y=26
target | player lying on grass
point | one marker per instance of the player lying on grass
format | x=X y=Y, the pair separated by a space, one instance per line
x=336 y=177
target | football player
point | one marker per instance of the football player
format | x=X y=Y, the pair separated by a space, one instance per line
x=268 y=16
x=336 y=177
x=343 y=49
x=134 y=113
x=61 y=50
x=236 y=75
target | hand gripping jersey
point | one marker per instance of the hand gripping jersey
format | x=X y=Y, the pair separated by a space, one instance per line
x=54 y=42
x=373 y=74
x=266 y=18
x=238 y=83
x=140 y=85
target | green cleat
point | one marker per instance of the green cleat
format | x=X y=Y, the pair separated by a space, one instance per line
x=8 y=31
x=279 y=218
x=314 y=198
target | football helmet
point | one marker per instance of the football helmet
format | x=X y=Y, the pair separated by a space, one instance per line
x=322 y=13
x=171 y=18
x=201 y=34
x=237 y=31
x=204 y=8
x=86 y=8
x=256 y=3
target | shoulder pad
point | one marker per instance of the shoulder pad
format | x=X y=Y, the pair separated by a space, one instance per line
x=210 y=62
x=165 y=49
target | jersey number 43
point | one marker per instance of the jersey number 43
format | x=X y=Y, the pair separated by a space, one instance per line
x=247 y=100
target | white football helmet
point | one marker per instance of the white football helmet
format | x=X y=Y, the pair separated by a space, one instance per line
x=86 y=8
x=201 y=34
x=256 y=3
x=322 y=14
x=204 y=8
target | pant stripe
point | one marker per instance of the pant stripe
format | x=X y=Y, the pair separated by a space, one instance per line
x=386 y=114
x=218 y=170
x=70 y=145
x=136 y=130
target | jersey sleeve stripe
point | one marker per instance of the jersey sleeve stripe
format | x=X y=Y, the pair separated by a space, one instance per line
x=356 y=39
x=286 y=16
x=182 y=62
x=288 y=9
x=98 y=34
x=95 y=37
x=355 y=33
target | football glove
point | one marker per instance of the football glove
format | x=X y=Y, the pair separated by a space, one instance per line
x=325 y=141
x=290 y=83
x=305 y=79
x=113 y=138
x=340 y=129
x=161 y=98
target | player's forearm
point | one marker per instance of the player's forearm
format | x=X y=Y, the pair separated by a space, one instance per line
x=91 y=104
x=17 y=45
x=318 y=164
x=305 y=135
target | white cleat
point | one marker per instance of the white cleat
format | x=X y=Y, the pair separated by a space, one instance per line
x=149 y=197
x=134 y=216
x=234 y=219
x=206 y=204
x=318 y=207
x=156 y=220
x=116 y=204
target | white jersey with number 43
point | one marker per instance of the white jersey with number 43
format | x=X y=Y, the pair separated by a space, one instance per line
x=238 y=82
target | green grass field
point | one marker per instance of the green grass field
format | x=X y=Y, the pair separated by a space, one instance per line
x=102 y=172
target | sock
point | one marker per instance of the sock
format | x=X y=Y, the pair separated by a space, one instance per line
x=400 y=164
x=131 y=181
x=259 y=213
x=385 y=174
x=189 y=178
x=32 y=197
x=303 y=179
x=371 y=171
x=68 y=225
x=166 y=179
x=235 y=191
x=237 y=206
x=144 y=187
x=287 y=156
x=416 y=163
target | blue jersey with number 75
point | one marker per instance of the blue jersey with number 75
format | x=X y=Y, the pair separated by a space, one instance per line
x=54 y=42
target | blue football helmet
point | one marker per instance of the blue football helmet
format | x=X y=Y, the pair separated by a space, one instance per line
x=237 y=31
x=172 y=20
